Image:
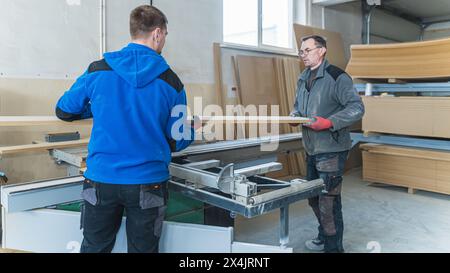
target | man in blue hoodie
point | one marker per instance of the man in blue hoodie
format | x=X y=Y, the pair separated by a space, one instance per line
x=138 y=105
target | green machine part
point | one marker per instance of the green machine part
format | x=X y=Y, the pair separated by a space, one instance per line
x=179 y=209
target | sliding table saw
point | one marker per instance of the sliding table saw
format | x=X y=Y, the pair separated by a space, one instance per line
x=226 y=174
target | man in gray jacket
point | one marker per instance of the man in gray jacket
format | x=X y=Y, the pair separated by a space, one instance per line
x=326 y=94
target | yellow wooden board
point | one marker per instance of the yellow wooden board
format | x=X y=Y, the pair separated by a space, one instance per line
x=15 y=121
x=415 y=116
x=10 y=150
x=415 y=60
x=253 y=119
x=413 y=168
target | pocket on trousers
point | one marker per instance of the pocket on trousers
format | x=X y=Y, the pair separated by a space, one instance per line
x=327 y=163
x=90 y=192
x=153 y=195
x=159 y=221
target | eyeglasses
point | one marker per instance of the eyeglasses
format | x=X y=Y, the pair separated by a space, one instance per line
x=307 y=51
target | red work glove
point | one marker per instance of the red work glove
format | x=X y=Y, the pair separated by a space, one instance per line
x=319 y=124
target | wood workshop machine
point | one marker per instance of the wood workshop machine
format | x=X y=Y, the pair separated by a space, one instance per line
x=227 y=174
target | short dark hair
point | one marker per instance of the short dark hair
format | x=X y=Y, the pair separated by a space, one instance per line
x=144 y=19
x=319 y=40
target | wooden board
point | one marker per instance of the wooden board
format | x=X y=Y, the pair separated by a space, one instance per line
x=415 y=60
x=218 y=73
x=287 y=73
x=15 y=121
x=10 y=150
x=335 y=46
x=257 y=81
x=415 y=116
x=421 y=169
x=258 y=86
x=254 y=119
x=292 y=72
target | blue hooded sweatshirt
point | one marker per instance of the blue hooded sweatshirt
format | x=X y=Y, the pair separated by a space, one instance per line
x=130 y=94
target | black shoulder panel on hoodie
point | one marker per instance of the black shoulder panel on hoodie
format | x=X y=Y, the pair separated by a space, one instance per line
x=101 y=65
x=172 y=145
x=172 y=79
x=66 y=116
x=334 y=71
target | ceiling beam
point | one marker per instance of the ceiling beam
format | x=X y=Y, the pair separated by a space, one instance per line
x=401 y=14
x=326 y=3
x=435 y=20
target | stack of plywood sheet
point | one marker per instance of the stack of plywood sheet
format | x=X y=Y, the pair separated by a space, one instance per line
x=408 y=167
x=413 y=168
x=287 y=72
x=416 y=60
x=412 y=116
x=415 y=116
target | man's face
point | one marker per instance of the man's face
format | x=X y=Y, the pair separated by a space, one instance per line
x=311 y=54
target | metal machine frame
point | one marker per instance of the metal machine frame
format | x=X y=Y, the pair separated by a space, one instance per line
x=227 y=174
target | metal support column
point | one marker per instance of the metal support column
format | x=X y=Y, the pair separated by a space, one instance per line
x=367 y=15
x=284 y=225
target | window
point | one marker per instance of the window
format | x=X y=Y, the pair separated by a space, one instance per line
x=277 y=23
x=240 y=22
x=259 y=23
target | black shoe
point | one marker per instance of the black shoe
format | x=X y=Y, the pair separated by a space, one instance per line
x=331 y=245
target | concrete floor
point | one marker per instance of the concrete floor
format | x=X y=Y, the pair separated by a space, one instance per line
x=377 y=218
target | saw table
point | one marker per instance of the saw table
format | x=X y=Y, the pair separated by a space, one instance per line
x=227 y=174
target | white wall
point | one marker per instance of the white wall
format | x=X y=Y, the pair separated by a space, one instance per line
x=194 y=26
x=117 y=22
x=53 y=39
x=345 y=19
x=47 y=38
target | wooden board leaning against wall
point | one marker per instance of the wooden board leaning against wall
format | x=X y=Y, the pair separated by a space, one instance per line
x=263 y=82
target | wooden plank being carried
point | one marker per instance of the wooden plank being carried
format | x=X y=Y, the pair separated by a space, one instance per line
x=11 y=150
x=14 y=121
x=254 y=119
x=335 y=45
x=415 y=60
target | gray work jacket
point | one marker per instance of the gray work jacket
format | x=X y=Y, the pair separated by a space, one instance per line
x=331 y=96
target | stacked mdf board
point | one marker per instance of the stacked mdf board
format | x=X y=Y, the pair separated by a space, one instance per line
x=268 y=81
x=405 y=115
x=258 y=87
x=287 y=73
x=414 y=116
x=416 y=60
x=416 y=169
